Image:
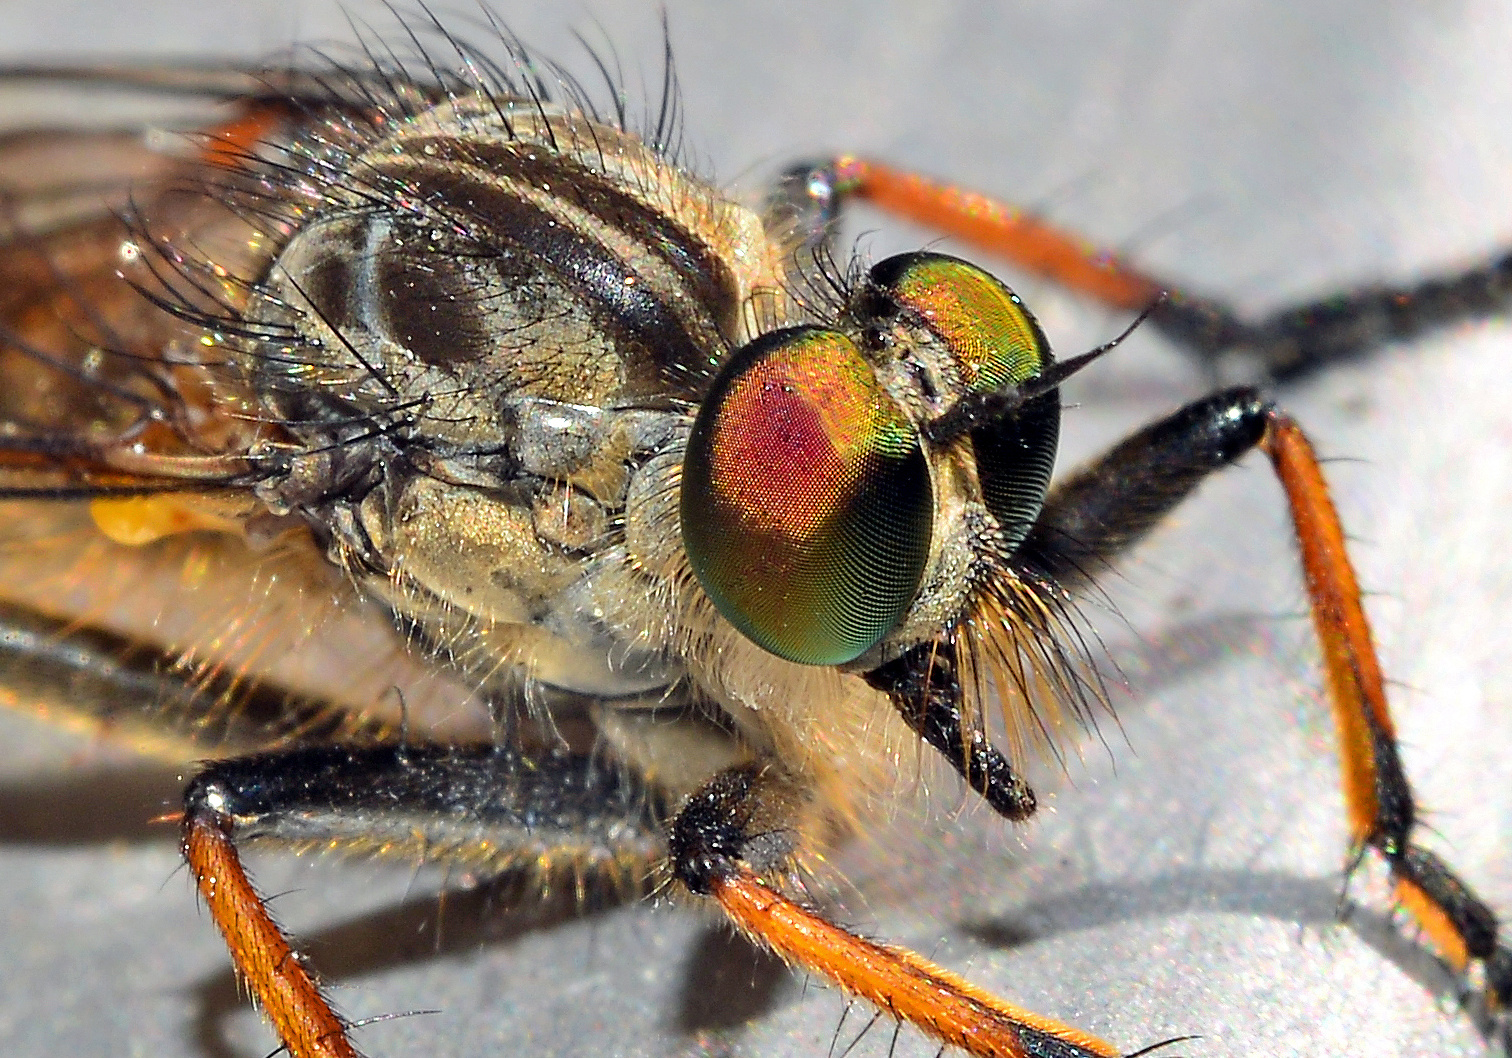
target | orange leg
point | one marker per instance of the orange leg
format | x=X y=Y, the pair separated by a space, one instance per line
x=1367 y=737
x=271 y=968
x=1286 y=343
x=1012 y=234
x=896 y=980
x=485 y=806
x=739 y=811
x=1377 y=795
x=1100 y=511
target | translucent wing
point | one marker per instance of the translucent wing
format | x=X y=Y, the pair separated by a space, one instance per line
x=101 y=390
x=126 y=255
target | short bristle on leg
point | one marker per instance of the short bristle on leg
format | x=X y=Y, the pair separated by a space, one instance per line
x=1382 y=809
x=272 y=970
x=898 y=981
x=485 y=807
x=737 y=818
x=1104 y=509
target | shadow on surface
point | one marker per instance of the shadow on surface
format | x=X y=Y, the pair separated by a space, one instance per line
x=728 y=983
x=1306 y=902
x=92 y=807
x=457 y=922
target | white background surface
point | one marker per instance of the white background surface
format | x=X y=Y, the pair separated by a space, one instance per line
x=1183 y=880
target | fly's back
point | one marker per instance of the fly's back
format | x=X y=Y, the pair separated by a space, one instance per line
x=483 y=325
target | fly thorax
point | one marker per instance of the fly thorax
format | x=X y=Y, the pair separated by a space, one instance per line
x=474 y=339
x=475 y=256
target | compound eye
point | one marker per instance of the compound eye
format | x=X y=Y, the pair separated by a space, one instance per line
x=991 y=336
x=994 y=343
x=806 y=505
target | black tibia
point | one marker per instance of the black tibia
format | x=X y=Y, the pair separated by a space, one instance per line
x=1396 y=810
x=1297 y=340
x=111 y=680
x=1106 y=507
x=1471 y=918
x=740 y=816
x=924 y=687
x=486 y=807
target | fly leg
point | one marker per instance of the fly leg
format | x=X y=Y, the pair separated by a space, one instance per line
x=486 y=807
x=924 y=687
x=737 y=828
x=111 y=683
x=1286 y=343
x=1103 y=509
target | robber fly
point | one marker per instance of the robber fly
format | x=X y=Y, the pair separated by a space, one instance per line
x=717 y=537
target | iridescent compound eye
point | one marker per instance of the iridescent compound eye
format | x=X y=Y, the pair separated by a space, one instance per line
x=995 y=343
x=806 y=503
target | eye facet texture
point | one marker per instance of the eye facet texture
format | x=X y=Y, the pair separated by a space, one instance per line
x=995 y=343
x=806 y=504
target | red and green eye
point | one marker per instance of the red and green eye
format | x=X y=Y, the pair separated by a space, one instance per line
x=992 y=338
x=806 y=504
x=994 y=343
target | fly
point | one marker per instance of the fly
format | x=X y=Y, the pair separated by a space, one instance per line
x=718 y=536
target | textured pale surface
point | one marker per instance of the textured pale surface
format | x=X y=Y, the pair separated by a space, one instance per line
x=1185 y=879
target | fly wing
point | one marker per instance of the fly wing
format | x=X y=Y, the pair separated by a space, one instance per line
x=127 y=255
x=101 y=389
